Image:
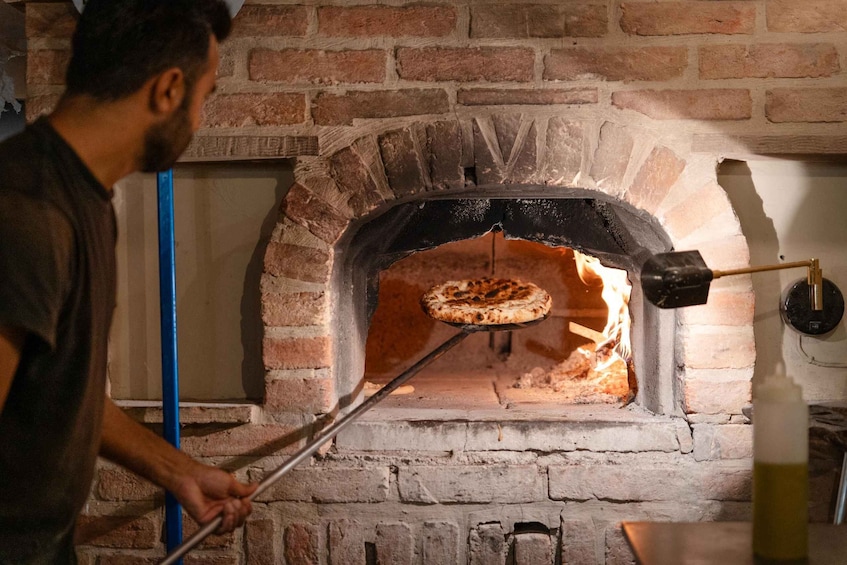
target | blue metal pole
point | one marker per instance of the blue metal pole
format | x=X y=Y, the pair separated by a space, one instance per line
x=170 y=371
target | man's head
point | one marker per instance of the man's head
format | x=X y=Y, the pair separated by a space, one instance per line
x=167 y=48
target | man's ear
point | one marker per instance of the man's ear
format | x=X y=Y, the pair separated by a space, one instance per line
x=167 y=91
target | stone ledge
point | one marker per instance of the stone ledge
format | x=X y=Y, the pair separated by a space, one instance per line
x=149 y=412
x=748 y=146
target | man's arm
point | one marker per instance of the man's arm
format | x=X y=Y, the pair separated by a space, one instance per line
x=204 y=491
x=11 y=343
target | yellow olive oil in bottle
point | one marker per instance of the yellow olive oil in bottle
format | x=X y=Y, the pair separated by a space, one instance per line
x=780 y=470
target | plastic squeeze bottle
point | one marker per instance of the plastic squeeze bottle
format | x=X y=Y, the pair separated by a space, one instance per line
x=780 y=470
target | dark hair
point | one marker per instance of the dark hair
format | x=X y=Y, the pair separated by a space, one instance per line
x=119 y=44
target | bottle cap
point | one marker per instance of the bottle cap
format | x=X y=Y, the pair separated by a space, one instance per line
x=779 y=387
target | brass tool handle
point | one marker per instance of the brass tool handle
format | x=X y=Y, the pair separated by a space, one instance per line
x=814 y=277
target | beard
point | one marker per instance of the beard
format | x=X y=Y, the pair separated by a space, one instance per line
x=165 y=142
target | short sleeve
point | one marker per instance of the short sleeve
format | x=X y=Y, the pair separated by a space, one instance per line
x=36 y=250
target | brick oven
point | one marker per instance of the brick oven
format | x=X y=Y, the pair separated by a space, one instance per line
x=496 y=137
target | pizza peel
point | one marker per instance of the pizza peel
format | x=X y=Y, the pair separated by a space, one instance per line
x=327 y=434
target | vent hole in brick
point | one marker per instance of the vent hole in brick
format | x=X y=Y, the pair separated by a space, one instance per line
x=531 y=528
x=370 y=553
x=470 y=176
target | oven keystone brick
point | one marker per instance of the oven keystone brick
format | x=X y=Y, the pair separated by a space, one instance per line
x=487 y=545
x=307 y=209
x=297 y=262
x=654 y=179
x=611 y=158
x=294 y=309
x=302 y=544
x=471 y=484
x=769 y=60
x=577 y=541
x=627 y=65
x=400 y=153
x=811 y=16
x=806 y=105
x=313 y=66
x=346 y=543
x=563 y=158
x=445 y=154
x=533 y=548
x=701 y=104
x=56 y=20
x=270 y=21
x=683 y=18
x=440 y=542
x=730 y=441
x=122 y=485
x=120 y=532
x=307 y=395
x=260 y=544
x=331 y=485
x=491 y=64
x=394 y=544
x=47 y=66
x=718 y=347
x=254 y=109
x=297 y=353
x=390 y=21
x=538 y=21
x=341 y=109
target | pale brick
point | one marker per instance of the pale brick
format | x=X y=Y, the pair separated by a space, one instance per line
x=312 y=66
x=125 y=532
x=578 y=542
x=719 y=347
x=254 y=109
x=539 y=21
x=297 y=262
x=335 y=109
x=256 y=440
x=680 y=18
x=769 y=60
x=471 y=484
x=679 y=482
x=810 y=16
x=331 y=485
x=493 y=64
x=654 y=179
x=565 y=142
x=733 y=441
x=391 y=21
x=526 y=97
x=698 y=209
x=440 y=542
x=616 y=64
x=611 y=157
x=314 y=395
x=122 y=485
x=724 y=308
x=346 y=543
x=47 y=66
x=806 y=105
x=302 y=544
x=394 y=544
x=618 y=551
x=487 y=545
x=307 y=209
x=260 y=547
x=255 y=20
x=725 y=254
x=701 y=396
x=297 y=353
x=700 y=104
x=533 y=549
x=295 y=309
x=50 y=20
x=37 y=106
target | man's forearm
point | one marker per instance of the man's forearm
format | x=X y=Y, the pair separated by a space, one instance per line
x=11 y=343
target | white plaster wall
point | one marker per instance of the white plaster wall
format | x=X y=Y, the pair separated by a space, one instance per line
x=223 y=219
x=793 y=211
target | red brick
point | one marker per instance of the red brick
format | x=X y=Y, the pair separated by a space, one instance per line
x=526 y=96
x=494 y=64
x=40 y=105
x=645 y=63
x=212 y=541
x=47 y=66
x=119 y=484
x=259 y=541
x=577 y=541
x=135 y=532
x=254 y=109
x=391 y=21
x=314 y=66
x=297 y=262
x=529 y=21
x=681 y=18
x=699 y=208
x=806 y=105
x=123 y=559
x=315 y=395
x=253 y=440
x=302 y=544
x=297 y=309
x=395 y=544
x=772 y=60
x=54 y=20
x=270 y=21
x=655 y=179
x=346 y=543
x=297 y=352
x=809 y=16
x=342 y=109
x=211 y=559
x=305 y=208
x=704 y=104
x=355 y=182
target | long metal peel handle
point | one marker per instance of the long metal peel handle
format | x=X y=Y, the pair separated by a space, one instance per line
x=321 y=439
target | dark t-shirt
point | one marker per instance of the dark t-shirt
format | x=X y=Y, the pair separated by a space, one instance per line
x=57 y=282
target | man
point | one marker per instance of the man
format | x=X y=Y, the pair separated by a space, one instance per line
x=136 y=83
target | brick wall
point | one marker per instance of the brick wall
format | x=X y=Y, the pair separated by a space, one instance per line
x=636 y=100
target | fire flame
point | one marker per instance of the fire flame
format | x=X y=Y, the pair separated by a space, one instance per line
x=616 y=292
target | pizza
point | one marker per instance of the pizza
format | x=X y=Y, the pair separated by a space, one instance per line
x=486 y=302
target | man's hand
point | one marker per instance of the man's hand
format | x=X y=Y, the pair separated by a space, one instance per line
x=206 y=492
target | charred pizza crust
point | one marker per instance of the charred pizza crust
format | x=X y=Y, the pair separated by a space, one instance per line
x=486 y=301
